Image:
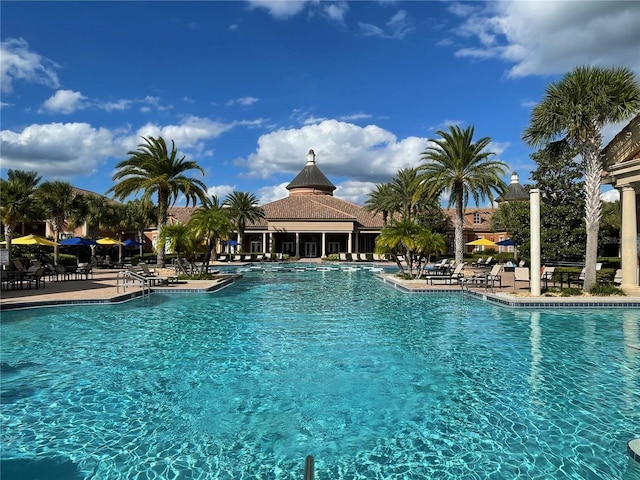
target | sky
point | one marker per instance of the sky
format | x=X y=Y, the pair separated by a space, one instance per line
x=246 y=88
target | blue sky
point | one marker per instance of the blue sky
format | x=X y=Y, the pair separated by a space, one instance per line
x=247 y=88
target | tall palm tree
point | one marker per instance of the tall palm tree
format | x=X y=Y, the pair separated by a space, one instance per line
x=243 y=208
x=179 y=238
x=153 y=169
x=63 y=207
x=18 y=203
x=462 y=167
x=573 y=111
x=408 y=192
x=212 y=222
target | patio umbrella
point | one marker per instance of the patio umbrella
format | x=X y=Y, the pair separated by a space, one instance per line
x=506 y=243
x=232 y=243
x=32 y=240
x=482 y=242
x=109 y=241
x=77 y=242
x=131 y=243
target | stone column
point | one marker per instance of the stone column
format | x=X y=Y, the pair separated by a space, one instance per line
x=628 y=236
x=349 y=244
x=534 y=196
x=297 y=245
x=323 y=251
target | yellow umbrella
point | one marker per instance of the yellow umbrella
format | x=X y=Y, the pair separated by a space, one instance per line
x=109 y=241
x=32 y=240
x=482 y=242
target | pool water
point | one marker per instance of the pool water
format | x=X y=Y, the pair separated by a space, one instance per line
x=374 y=383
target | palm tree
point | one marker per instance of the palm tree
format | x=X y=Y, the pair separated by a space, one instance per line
x=141 y=214
x=243 y=208
x=407 y=238
x=408 y=192
x=153 y=169
x=212 y=222
x=179 y=238
x=573 y=112
x=18 y=203
x=63 y=207
x=461 y=166
x=381 y=201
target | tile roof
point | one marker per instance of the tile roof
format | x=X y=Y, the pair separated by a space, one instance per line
x=317 y=207
x=311 y=177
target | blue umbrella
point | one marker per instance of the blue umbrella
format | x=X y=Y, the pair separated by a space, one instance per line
x=131 y=243
x=506 y=243
x=77 y=241
x=233 y=243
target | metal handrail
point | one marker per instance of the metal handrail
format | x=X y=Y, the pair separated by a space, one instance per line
x=308 y=468
x=128 y=275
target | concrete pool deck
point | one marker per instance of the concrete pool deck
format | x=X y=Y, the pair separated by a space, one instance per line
x=103 y=288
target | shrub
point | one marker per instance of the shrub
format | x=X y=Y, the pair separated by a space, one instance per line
x=606 y=290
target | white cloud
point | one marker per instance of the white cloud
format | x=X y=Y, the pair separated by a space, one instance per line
x=221 y=191
x=365 y=154
x=56 y=149
x=244 y=101
x=612 y=195
x=336 y=11
x=17 y=62
x=280 y=9
x=397 y=27
x=65 y=102
x=354 y=191
x=273 y=193
x=554 y=36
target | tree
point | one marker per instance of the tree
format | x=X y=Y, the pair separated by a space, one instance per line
x=212 y=222
x=408 y=239
x=610 y=227
x=141 y=214
x=381 y=201
x=63 y=207
x=574 y=111
x=179 y=238
x=153 y=169
x=461 y=166
x=18 y=201
x=243 y=208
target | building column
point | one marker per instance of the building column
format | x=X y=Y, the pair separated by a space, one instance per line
x=628 y=236
x=323 y=250
x=534 y=282
x=349 y=244
x=297 y=245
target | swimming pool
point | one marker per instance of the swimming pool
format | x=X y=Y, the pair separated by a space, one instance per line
x=374 y=383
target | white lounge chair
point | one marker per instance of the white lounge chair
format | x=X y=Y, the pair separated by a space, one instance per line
x=520 y=274
x=449 y=278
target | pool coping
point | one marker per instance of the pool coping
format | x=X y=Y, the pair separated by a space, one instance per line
x=508 y=300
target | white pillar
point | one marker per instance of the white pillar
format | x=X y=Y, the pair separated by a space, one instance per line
x=297 y=245
x=534 y=196
x=349 y=244
x=628 y=236
x=323 y=252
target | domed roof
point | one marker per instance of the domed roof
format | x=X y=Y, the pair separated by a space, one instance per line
x=514 y=191
x=311 y=180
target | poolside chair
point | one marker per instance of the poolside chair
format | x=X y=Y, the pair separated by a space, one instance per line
x=35 y=278
x=478 y=261
x=487 y=263
x=486 y=280
x=617 y=278
x=19 y=266
x=520 y=274
x=580 y=280
x=546 y=274
x=449 y=278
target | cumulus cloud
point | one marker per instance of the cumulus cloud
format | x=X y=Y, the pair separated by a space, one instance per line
x=367 y=154
x=336 y=11
x=612 y=195
x=65 y=102
x=272 y=193
x=56 y=149
x=221 y=191
x=354 y=191
x=554 y=37
x=18 y=63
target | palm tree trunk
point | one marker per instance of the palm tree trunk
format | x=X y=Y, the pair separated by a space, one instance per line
x=8 y=236
x=458 y=227
x=593 y=213
x=163 y=213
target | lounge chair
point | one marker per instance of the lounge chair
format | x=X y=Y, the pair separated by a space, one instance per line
x=35 y=278
x=487 y=279
x=478 y=262
x=455 y=276
x=520 y=274
x=487 y=263
x=342 y=257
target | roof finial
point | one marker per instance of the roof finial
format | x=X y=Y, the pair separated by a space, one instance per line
x=514 y=178
x=311 y=157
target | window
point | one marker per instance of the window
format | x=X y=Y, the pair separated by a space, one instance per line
x=476 y=218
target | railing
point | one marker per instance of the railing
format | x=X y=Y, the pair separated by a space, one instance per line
x=127 y=277
x=308 y=468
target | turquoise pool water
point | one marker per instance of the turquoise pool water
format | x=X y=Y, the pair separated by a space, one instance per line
x=374 y=383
